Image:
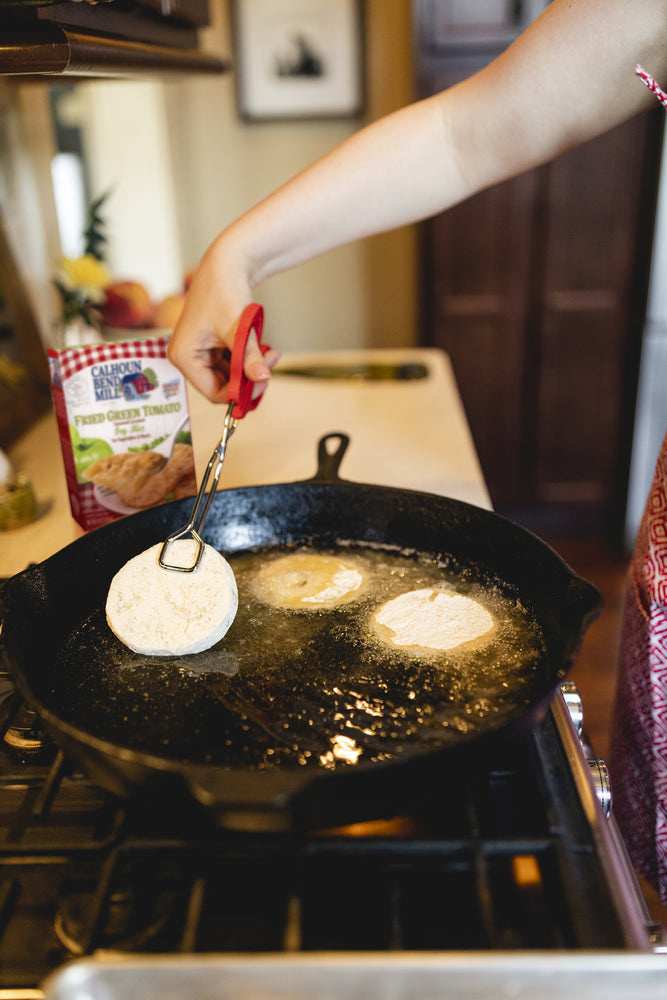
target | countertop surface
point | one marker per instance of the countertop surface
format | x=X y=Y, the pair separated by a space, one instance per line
x=410 y=434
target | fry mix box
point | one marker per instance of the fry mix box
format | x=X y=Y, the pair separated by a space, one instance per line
x=124 y=426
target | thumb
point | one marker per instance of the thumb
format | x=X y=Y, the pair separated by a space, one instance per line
x=254 y=365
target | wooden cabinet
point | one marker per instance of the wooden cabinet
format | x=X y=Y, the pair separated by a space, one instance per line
x=536 y=289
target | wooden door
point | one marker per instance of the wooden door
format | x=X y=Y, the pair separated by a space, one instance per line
x=536 y=289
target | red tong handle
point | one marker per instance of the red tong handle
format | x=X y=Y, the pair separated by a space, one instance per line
x=240 y=388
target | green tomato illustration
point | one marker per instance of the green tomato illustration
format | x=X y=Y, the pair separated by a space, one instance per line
x=86 y=451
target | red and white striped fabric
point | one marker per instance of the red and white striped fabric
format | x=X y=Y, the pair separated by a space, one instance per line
x=76 y=359
x=651 y=84
x=638 y=762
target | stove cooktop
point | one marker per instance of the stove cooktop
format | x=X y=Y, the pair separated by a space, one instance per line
x=498 y=857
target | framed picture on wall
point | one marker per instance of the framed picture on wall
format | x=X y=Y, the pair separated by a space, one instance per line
x=298 y=58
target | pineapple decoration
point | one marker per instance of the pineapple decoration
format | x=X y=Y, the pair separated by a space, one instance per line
x=81 y=281
x=94 y=236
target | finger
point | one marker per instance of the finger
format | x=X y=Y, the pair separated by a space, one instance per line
x=271 y=358
x=206 y=368
x=254 y=365
x=210 y=383
x=258 y=389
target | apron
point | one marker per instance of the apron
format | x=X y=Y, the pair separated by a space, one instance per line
x=638 y=759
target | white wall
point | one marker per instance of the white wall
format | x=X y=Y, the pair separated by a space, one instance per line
x=128 y=151
x=180 y=164
x=360 y=295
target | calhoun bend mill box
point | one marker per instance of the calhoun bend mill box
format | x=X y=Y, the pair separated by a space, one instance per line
x=124 y=426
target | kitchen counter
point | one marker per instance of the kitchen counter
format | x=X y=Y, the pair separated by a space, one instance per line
x=410 y=434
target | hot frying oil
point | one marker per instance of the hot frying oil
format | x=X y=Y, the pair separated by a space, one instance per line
x=374 y=698
x=316 y=687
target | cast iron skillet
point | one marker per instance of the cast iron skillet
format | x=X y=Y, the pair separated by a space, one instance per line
x=249 y=741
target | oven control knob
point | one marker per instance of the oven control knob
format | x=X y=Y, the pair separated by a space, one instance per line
x=574 y=705
x=601 y=783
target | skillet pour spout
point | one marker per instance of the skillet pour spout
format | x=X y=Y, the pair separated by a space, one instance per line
x=246 y=740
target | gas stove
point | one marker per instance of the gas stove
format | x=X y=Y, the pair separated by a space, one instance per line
x=511 y=856
x=504 y=877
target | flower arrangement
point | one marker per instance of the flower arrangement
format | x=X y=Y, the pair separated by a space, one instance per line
x=81 y=283
x=91 y=299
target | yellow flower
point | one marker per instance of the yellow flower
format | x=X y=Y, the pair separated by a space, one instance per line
x=85 y=271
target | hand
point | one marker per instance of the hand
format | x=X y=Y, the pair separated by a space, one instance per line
x=201 y=344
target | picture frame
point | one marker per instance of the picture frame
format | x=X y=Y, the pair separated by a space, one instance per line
x=298 y=58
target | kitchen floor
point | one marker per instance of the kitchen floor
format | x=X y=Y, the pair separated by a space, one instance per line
x=594 y=673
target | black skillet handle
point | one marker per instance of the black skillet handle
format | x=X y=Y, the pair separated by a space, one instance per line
x=328 y=461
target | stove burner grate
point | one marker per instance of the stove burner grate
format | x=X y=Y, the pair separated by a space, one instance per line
x=499 y=857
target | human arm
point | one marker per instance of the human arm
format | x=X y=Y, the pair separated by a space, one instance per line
x=567 y=79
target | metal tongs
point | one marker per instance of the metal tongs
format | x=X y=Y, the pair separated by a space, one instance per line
x=239 y=394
